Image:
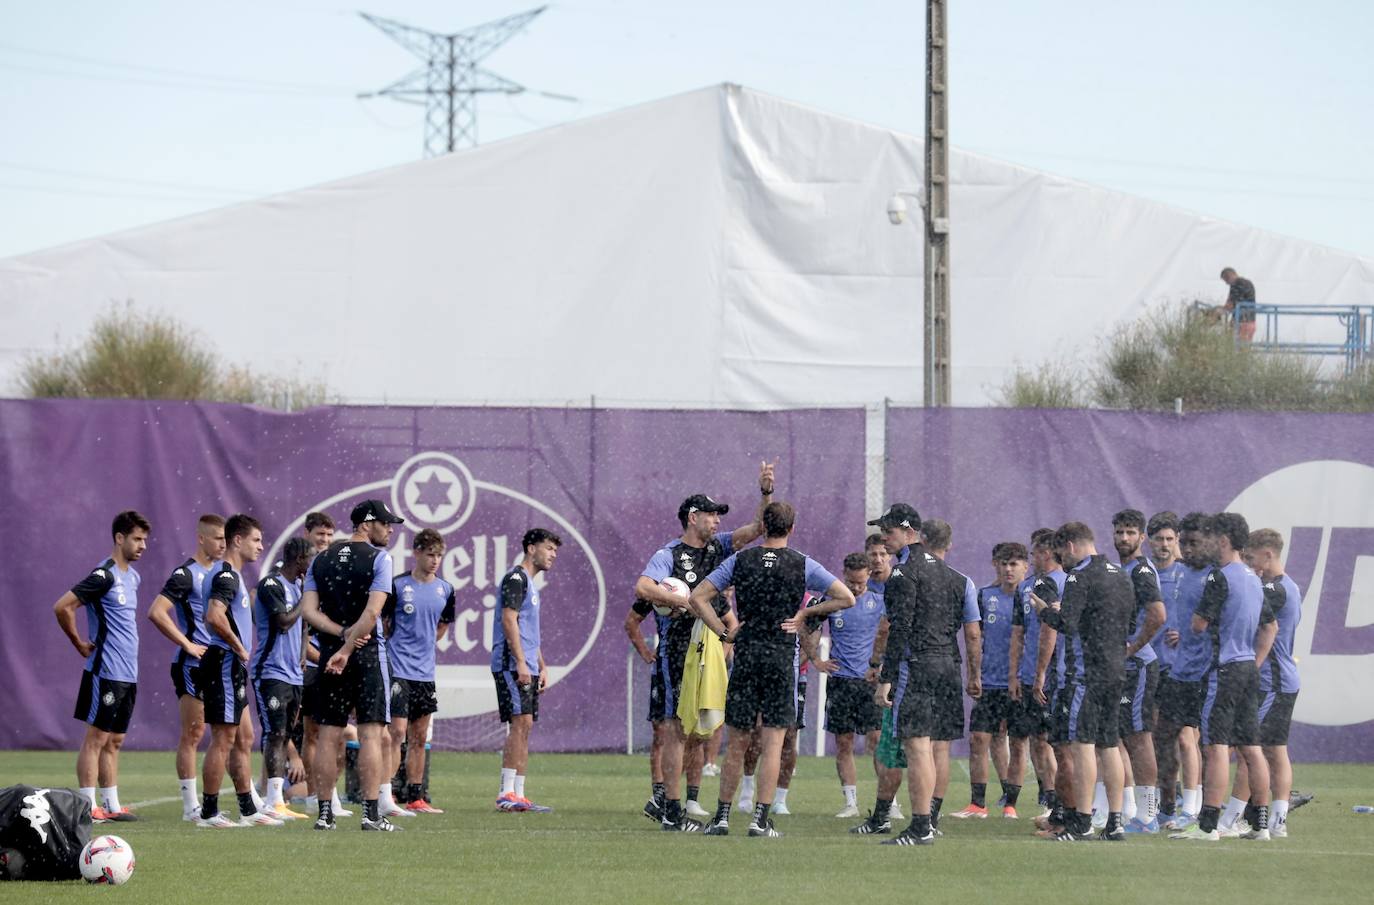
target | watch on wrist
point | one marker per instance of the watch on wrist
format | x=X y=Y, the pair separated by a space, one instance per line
x=724 y=635
x=765 y=491
x=875 y=664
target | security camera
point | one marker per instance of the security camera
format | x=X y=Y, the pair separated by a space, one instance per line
x=896 y=210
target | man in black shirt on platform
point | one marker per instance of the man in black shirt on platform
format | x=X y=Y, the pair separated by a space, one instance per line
x=771 y=582
x=345 y=590
x=1240 y=303
x=1094 y=618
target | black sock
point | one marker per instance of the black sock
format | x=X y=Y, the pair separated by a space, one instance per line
x=1207 y=820
x=722 y=811
x=209 y=806
x=1248 y=815
x=672 y=810
x=693 y=792
x=1013 y=793
x=415 y=791
x=1051 y=798
x=920 y=825
x=246 y=806
x=1082 y=823
x=980 y=794
x=660 y=793
x=1113 y=821
x=881 y=808
x=370 y=809
x=761 y=813
x=935 y=804
x=327 y=809
x=1261 y=821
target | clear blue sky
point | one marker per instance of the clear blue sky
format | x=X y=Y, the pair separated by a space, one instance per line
x=120 y=114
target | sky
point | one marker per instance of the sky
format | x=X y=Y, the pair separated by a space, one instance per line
x=117 y=115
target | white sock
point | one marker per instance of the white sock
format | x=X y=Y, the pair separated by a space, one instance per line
x=257 y=799
x=1142 y=803
x=1278 y=812
x=507 y=781
x=1192 y=801
x=779 y=797
x=1234 y=808
x=274 y=788
x=188 y=794
x=746 y=788
x=88 y=792
x=312 y=803
x=1128 y=807
x=384 y=802
x=110 y=795
x=1100 y=798
x=851 y=795
x=519 y=786
x=335 y=804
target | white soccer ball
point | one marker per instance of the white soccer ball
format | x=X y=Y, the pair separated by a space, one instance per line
x=108 y=860
x=675 y=586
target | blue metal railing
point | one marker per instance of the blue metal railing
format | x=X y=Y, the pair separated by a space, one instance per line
x=1355 y=321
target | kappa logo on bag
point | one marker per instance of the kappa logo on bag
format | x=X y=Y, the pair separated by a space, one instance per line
x=37 y=811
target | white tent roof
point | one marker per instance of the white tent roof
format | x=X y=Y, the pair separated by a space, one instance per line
x=721 y=248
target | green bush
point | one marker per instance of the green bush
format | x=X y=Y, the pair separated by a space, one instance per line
x=1178 y=352
x=136 y=355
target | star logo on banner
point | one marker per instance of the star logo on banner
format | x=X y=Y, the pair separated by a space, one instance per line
x=432 y=492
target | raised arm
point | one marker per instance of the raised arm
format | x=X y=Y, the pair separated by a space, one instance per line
x=747 y=534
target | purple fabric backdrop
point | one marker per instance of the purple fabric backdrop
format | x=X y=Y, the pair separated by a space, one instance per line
x=608 y=481
x=999 y=474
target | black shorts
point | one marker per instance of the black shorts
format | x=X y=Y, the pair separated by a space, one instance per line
x=801 y=703
x=761 y=691
x=184 y=669
x=662 y=695
x=1138 y=697
x=925 y=709
x=850 y=707
x=279 y=706
x=104 y=703
x=363 y=688
x=1275 y=715
x=1230 y=705
x=513 y=699
x=310 y=699
x=1180 y=703
x=1093 y=708
x=1029 y=718
x=991 y=710
x=223 y=686
x=412 y=699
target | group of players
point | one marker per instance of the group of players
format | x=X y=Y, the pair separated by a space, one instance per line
x=368 y=659
x=1116 y=679
x=1131 y=672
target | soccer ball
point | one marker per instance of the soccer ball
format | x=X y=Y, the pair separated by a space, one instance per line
x=675 y=586
x=107 y=859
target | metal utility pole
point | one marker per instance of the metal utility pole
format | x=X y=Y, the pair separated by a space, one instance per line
x=937 y=350
x=450 y=80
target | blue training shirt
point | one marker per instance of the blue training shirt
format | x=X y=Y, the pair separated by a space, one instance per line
x=1233 y=605
x=851 y=635
x=277 y=654
x=416 y=610
x=226 y=586
x=1193 y=656
x=185 y=588
x=1280 y=670
x=996 y=607
x=518 y=592
x=110 y=596
x=1168 y=589
x=1145 y=584
x=1049 y=588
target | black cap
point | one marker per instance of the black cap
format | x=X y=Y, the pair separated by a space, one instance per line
x=699 y=502
x=375 y=511
x=902 y=515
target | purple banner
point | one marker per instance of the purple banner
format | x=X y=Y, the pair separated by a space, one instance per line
x=608 y=481
x=998 y=474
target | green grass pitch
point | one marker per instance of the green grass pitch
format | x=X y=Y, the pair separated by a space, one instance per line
x=597 y=848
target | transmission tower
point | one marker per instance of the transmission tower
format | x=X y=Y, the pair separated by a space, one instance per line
x=450 y=79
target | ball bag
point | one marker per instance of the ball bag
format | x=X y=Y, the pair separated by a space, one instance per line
x=42 y=833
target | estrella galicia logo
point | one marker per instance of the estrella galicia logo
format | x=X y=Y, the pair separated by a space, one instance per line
x=482 y=523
